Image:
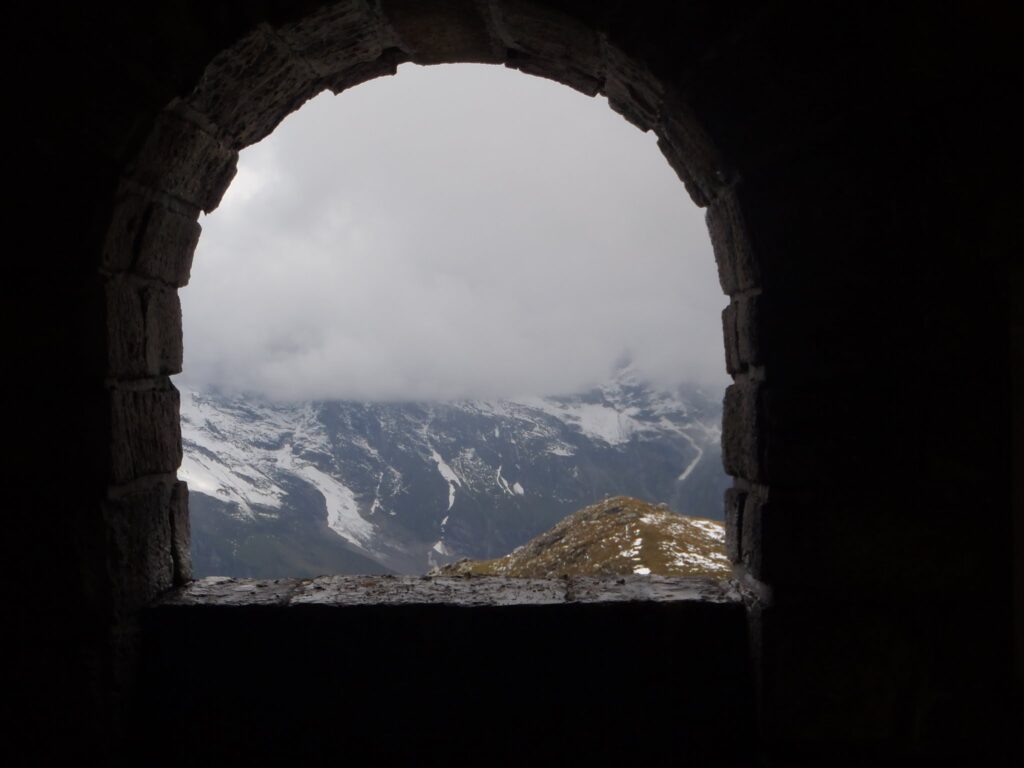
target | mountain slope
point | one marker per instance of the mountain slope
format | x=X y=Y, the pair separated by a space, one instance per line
x=619 y=536
x=409 y=486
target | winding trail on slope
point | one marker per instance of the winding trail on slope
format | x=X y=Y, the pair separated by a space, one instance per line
x=690 y=467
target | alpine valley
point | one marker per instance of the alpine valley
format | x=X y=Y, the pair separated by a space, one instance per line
x=305 y=489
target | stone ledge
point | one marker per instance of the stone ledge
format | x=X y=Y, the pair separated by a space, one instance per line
x=468 y=592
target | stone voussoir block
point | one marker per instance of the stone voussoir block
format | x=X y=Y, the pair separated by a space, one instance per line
x=167 y=246
x=163 y=331
x=729 y=334
x=385 y=66
x=737 y=266
x=748 y=330
x=184 y=161
x=734 y=500
x=631 y=89
x=338 y=38
x=449 y=31
x=145 y=432
x=688 y=150
x=139 y=548
x=150 y=240
x=128 y=222
x=181 y=534
x=550 y=44
x=249 y=88
x=741 y=426
x=125 y=328
x=751 y=539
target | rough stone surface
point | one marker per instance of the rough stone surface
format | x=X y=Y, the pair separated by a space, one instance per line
x=632 y=90
x=689 y=150
x=441 y=590
x=729 y=334
x=735 y=498
x=550 y=44
x=755 y=512
x=748 y=330
x=131 y=212
x=350 y=77
x=145 y=432
x=151 y=240
x=143 y=329
x=737 y=267
x=139 y=543
x=183 y=160
x=447 y=32
x=337 y=38
x=248 y=90
x=166 y=245
x=125 y=329
x=741 y=449
x=181 y=537
x=163 y=331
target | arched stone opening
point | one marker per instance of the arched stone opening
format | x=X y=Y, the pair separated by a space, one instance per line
x=870 y=161
x=188 y=160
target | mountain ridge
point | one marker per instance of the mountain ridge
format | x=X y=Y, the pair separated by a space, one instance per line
x=410 y=486
x=619 y=536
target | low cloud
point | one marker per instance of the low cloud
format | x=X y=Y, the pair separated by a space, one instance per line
x=454 y=231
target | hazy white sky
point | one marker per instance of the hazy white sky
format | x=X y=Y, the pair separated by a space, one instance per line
x=453 y=231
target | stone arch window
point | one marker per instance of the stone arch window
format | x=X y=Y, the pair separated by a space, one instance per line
x=188 y=160
x=857 y=169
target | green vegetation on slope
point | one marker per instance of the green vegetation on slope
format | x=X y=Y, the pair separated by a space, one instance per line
x=616 y=537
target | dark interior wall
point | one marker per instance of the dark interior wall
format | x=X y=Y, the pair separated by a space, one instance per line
x=859 y=173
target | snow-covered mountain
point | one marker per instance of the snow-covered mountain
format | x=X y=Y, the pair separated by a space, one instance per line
x=346 y=487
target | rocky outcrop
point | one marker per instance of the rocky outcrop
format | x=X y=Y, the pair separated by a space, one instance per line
x=617 y=537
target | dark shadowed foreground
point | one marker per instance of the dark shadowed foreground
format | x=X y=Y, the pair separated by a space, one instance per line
x=576 y=670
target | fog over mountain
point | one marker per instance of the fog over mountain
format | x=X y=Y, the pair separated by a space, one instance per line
x=352 y=487
x=451 y=232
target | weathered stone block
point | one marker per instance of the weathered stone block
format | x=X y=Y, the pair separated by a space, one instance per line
x=752 y=534
x=145 y=432
x=247 y=90
x=737 y=267
x=748 y=330
x=143 y=325
x=450 y=31
x=688 y=150
x=163 y=331
x=166 y=245
x=741 y=439
x=127 y=224
x=183 y=160
x=125 y=329
x=734 y=500
x=339 y=37
x=138 y=525
x=732 y=355
x=556 y=70
x=550 y=44
x=385 y=66
x=181 y=534
x=631 y=89
x=151 y=240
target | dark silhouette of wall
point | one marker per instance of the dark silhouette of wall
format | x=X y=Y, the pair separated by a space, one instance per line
x=859 y=168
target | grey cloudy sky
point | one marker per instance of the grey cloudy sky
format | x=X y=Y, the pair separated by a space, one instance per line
x=453 y=231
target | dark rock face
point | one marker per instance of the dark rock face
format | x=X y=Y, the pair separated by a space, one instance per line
x=296 y=490
x=860 y=170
